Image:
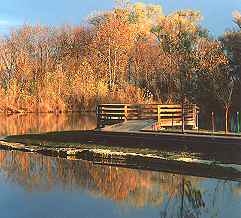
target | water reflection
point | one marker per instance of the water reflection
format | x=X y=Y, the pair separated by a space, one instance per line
x=36 y=123
x=128 y=191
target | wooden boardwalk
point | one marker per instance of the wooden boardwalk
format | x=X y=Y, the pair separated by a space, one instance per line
x=164 y=115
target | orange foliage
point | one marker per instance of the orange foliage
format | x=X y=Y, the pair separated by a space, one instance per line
x=132 y=49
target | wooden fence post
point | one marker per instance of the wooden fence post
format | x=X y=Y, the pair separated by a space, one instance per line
x=158 y=114
x=98 y=117
x=213 y=124
x=183 y=117
x=238 y=122
x=197 y=119
x=126 y=112
x=172 y=119
x=139 y=109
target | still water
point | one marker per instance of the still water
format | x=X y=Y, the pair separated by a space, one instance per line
x=33 y=185
x=46 y=122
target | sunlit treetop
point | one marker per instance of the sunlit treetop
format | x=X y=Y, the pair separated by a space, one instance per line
x=237 y=18
x=134 y=13
x=141 y=11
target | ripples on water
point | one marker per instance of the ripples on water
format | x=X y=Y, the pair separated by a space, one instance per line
x=33 y=185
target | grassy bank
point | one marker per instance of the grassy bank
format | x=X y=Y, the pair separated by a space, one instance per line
x=182 y=163
x=222 y=148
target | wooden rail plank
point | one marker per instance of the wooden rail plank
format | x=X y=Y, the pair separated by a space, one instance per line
x=166 y=115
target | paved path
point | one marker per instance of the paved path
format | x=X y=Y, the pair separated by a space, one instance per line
x=129 y=126
x=146 y=127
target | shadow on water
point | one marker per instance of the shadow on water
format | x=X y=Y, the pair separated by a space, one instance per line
x=113 y=191
x=45 y=122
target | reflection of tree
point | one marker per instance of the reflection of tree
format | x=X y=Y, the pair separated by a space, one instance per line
x=193 y=201
x=187 y=200
x=218 y=193
x=237 y=189
x=136 y=187
x=29 y=123
x=176 y=195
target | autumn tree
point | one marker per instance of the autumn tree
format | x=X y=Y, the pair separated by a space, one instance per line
x=231 y=41
x=112 y=44
x=132 y=53
x=144 y=61
x=237 y=18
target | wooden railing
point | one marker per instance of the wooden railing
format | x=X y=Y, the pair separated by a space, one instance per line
x=172 y=115
x=166 y=115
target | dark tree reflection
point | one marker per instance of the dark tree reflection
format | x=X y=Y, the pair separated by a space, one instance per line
x=175 y=195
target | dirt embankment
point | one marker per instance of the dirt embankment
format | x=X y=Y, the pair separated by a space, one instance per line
x=134 y=160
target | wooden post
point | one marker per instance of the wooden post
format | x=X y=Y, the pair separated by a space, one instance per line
x=172 y=120
x=99 y=124
x=197 y=119
x=183 y=117
x=139 y=112
x=213 y=124
x=226 y=119
x=238 y=122
x=126 y=112
x=194 y=116
x=158 y=114
x=97 y=116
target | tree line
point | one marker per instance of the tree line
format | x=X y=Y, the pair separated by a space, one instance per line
x=132 y=53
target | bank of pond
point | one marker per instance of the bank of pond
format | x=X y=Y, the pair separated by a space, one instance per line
x=74 y=167
x=207 y=156
x=58 y=187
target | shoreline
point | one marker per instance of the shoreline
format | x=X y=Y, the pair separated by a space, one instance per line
x=136 y=139
x=184 y=166
x=22 y=112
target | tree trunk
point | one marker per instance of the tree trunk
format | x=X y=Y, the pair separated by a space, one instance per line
x=226 y=119
x=110 y=70
x=183 y=114
x=115 y=66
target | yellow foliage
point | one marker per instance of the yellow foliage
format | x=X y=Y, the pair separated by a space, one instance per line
x=126 y=53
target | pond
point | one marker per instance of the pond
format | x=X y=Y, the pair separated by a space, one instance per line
x=48 y=122
x=18 y=124
x=33 y=185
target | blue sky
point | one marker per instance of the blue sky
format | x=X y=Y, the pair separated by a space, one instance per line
x=216 y=13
